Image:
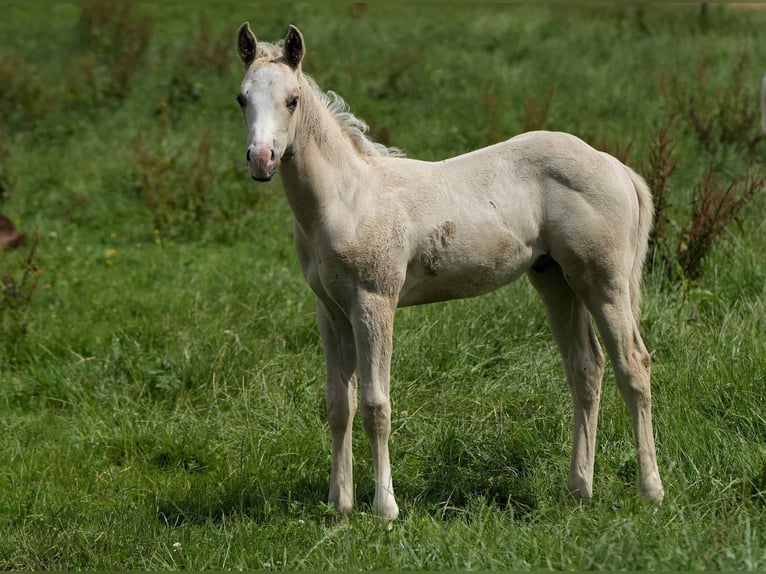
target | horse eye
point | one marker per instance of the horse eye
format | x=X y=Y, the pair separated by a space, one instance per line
x=241 y=100
x=292 y=103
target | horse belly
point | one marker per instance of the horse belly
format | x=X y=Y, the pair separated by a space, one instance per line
x=446 y=271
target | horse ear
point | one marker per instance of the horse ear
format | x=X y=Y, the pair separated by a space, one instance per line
x=246 y=44
x=294 y=47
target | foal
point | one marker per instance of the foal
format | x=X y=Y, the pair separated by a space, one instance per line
x=374 y=231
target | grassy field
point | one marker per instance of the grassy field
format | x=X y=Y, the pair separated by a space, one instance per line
x=162 y=401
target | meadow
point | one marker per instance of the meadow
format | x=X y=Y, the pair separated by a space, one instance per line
x=161 y=375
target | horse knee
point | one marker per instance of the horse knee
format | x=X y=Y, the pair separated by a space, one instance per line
x=584 y=374
x=376 y=414
x=340 y=410
x=634 y=380
x=338 y=416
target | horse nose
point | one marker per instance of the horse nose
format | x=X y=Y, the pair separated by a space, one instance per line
x=262 y=159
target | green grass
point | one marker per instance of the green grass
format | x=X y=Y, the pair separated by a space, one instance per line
x=165 y=384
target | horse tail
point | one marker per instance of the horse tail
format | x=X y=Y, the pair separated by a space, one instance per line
x=645 y=221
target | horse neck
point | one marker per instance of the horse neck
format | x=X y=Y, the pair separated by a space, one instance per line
x=325 y=168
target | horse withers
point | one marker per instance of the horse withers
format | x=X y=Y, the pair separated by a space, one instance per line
x=375 y=231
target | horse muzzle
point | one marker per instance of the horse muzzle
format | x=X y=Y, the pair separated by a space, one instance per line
x=263 y=161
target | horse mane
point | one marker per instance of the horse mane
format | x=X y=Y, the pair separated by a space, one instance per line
x=356 y=128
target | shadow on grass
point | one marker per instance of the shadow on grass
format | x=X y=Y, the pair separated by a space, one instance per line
x=449 y=489
x=455 y=469
x=241 y=498
x=460 y=469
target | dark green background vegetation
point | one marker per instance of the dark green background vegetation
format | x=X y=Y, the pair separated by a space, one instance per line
x=161 y=379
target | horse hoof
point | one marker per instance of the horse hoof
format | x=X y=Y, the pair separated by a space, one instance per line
x=579 y=488
x=387 y=512
x=654 y=494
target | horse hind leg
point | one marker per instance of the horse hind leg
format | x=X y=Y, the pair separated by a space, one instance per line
x=606 y=293
x=583 y=365
x=631 y=362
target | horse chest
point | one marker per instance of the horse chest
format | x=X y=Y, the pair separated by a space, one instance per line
x=336 y=268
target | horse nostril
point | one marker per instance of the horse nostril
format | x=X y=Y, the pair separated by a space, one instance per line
x=248 y=155
x=273 y=155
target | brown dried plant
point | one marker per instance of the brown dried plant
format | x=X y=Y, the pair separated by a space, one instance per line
x=715 y=206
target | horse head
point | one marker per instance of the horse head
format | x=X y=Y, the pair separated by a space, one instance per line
x=269 y=97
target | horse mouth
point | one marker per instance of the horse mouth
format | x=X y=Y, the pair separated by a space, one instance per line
x=264 y=174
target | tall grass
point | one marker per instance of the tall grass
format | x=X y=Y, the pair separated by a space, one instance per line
x=162 y=406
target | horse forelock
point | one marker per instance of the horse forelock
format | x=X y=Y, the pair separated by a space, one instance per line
x=269 y=50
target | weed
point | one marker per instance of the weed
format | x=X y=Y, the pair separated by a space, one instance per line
x=619 y=150
x=176 y=188
x=23 y=98
x=116 y=41
x=738 y=108
x=394 y=68
x=715 y=206
x=205 y=54
x=493 y=131
x=658 y=169
x=726 y=116
x=19 y=283
x=4 y=178
x=536 y=110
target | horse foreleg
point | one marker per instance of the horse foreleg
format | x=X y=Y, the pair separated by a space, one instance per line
x=340 y=397
x=584 y=368
x=373 y=321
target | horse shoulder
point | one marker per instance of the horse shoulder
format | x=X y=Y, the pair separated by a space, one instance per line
x=361 y=246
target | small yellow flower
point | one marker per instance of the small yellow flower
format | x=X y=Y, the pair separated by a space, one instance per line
x=113 y=235
x=111 y=253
